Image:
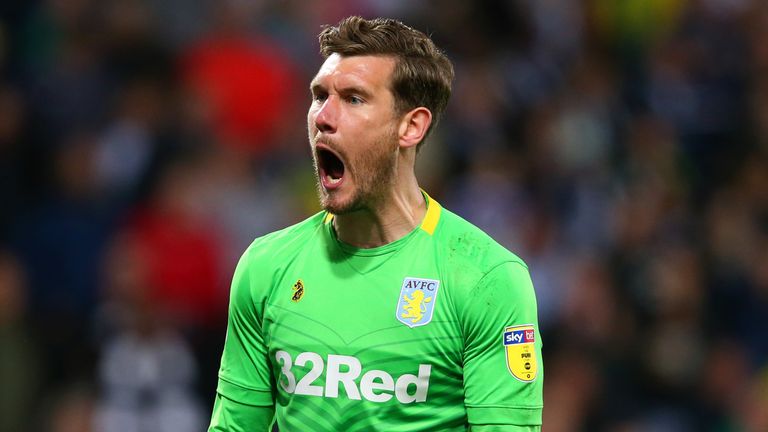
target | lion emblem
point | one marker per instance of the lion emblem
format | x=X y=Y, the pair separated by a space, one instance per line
x=415 y=306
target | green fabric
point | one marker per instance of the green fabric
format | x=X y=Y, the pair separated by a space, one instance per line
x=504 y=415
x=231 y=416
x=505 y=428
x=342 y=356
x=245 y=396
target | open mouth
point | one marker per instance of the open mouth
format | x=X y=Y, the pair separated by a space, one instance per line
x=330 y=168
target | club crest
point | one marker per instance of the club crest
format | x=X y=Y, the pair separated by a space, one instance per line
x=417 y=301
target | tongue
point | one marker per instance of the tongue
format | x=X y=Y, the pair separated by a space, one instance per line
x=335 y=174
x=334 y=168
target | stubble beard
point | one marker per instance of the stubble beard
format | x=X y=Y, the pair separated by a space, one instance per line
x=373 y=172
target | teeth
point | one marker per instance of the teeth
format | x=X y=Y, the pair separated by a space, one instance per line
x=332 y=180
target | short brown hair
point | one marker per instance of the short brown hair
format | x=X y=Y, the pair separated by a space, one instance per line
x=422 y=74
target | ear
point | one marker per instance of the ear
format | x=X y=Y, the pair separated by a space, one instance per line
x=413 y=127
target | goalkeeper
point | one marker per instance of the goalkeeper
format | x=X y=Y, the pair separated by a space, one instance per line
x=384 y=311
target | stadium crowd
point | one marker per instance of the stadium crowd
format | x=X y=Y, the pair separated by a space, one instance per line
x=619 y=148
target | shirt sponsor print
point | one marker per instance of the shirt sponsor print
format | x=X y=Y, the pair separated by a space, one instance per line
x=520 y=351
x=344 y=377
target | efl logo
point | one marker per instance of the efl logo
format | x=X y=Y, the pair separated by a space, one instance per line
x=520 y=350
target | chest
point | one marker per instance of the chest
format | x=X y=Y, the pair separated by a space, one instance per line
x=380 y=309
x=345 y=301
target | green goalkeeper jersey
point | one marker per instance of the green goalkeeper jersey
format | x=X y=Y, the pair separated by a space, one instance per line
x=435 y=331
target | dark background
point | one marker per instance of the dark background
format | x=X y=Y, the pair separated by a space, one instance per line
x=619 y=147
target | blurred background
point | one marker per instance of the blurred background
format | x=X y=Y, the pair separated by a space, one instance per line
x=619 y=147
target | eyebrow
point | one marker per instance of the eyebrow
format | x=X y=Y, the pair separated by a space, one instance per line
x=355 y=90
x=316 y=87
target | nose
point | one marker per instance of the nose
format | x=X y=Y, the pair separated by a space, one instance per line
x=327 y=115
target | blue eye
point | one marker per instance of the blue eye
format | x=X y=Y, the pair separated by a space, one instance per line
x=354 y=100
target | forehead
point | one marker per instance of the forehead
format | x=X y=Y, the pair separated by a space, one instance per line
x=373 y=71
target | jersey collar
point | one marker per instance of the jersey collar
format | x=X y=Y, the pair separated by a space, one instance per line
x=433 y=214
x=431 y=218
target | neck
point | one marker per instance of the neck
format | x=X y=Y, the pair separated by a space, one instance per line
x=389 y=219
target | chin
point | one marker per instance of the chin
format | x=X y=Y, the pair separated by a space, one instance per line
x=337 y=205
x=339 y=208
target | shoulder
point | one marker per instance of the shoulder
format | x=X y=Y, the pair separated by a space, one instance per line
x=267 y=255
x=489 y=284
x=471 y=248
x=282 y=244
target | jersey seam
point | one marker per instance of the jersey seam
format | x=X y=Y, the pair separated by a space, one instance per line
x=259 y=314
x=244 y=387
x=505 y=406
x=494 y=268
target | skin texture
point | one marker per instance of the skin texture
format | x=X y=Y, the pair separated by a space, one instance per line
x=352 y=114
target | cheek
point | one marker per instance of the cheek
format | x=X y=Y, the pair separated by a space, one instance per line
x=312 y=115
x=310 y=119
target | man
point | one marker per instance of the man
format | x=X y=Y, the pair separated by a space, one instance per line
x=384 y=311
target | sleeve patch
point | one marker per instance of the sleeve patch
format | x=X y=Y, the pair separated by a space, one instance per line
x=520 y=352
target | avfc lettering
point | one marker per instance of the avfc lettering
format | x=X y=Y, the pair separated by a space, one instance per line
x=422 y=284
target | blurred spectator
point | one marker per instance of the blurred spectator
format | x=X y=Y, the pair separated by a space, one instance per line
x=146 y=371
x=128 y=145
x=754 y=416
x=572 y=385
x=181 y=248
x=13 y=155
x=240 y=204
x=146 y=378
x=68 y=85
x=60 y=241
x=248 y=83
x=19 y=357
x=70 y=409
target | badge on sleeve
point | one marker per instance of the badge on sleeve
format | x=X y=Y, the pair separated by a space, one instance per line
x=520 y=351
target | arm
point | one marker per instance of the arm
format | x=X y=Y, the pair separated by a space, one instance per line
x=244 y=398
x=503 y=375
x=231 y=416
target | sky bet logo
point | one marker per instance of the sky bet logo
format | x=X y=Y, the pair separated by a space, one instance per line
x=515 y=337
